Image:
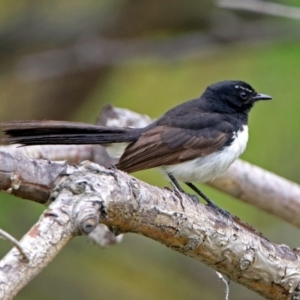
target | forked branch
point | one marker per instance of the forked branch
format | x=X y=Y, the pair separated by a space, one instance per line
x=88 y=194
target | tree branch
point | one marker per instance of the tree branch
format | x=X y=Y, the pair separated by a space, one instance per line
x=261 y=189
x=42 y=243
x=89 y=193
x=27 y=178
x=262 y=7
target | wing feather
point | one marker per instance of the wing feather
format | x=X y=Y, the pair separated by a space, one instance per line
x=164 y=145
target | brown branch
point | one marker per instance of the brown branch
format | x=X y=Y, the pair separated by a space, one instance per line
x=128 y=205
x=25 y=178
x=44 y=241
x=89 y=193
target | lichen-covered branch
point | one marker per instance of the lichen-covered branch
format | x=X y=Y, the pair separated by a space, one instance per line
x=69 y=215
x=28 y=178
x=89 y=194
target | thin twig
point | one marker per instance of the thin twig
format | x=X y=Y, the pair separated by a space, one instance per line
x=226 y=282
x=10 y=238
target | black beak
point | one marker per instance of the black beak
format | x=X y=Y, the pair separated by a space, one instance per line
x=261 y=97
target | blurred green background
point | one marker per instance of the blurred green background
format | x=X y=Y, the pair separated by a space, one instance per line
x=67 y=59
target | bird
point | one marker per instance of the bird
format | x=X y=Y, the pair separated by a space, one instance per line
x=193 y=142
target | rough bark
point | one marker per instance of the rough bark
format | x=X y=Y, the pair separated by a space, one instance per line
x=89 y=194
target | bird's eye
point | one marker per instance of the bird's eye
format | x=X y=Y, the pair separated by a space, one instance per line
x=243 y=95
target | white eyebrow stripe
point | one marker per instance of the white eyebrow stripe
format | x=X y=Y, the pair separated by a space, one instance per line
x=243 y=88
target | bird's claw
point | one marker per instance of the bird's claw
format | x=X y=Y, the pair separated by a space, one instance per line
x=221 y=211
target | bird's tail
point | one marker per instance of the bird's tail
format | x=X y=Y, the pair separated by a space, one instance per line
x=61 y=132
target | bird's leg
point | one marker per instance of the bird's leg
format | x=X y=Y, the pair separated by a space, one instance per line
x=203 y=196
x=179 y=188
x=209 y=202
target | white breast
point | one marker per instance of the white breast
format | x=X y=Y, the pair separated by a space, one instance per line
x=207 y=168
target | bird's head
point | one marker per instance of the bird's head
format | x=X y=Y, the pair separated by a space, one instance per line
x=232 y=95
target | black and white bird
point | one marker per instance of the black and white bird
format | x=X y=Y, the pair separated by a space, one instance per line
x=195 y=141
